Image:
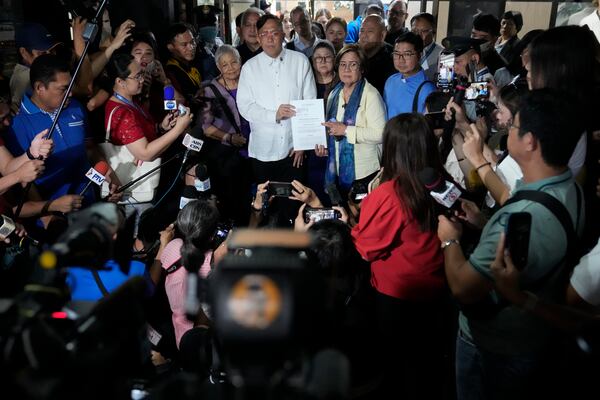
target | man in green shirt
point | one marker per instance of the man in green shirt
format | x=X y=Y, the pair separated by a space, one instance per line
x=497 y=356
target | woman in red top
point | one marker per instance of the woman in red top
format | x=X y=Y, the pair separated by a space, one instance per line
x=130 y=124
x=397 y=234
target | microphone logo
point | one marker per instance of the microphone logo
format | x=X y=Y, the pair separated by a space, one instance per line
x=95 y=176
x=169 y=96
x=192 y=143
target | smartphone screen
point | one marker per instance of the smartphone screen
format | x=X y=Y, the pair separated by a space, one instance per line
x=280 y=189
x=446 y=71
x=518 y=230
x=477 y=90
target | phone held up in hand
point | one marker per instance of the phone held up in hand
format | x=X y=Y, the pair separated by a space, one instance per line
x=518 y=230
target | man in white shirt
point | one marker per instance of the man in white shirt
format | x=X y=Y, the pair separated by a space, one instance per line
x=268 y=83
x=423 y=24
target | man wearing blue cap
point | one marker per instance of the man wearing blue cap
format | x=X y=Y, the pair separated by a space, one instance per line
x=32 y=41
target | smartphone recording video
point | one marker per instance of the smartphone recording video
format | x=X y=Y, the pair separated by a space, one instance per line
x=477 y=91
x=446 y=72
x=319 y=214
x=280 y=189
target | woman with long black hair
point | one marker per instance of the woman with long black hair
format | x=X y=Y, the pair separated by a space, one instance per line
x=396 y=233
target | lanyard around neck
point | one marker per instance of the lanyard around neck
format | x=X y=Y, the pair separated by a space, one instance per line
x=130 y=103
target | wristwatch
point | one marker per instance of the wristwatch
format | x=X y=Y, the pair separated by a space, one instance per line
x=449 y=242
x=30 y=155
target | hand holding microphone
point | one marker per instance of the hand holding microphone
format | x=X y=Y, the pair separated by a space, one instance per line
x=9 y=230
x=184 y=119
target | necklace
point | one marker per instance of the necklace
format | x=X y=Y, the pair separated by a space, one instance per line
x=226 y=85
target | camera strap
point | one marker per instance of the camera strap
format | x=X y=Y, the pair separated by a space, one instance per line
x=99 y=283
x=415 y=103
x=562 y=215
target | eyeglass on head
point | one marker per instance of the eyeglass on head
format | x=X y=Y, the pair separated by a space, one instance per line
x=404 y=56
x=352 y=66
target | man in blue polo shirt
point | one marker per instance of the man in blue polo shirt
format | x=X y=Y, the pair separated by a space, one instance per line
x=407 y=90
x=68 y=163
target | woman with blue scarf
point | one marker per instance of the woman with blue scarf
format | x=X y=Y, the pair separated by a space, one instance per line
x=355 y=122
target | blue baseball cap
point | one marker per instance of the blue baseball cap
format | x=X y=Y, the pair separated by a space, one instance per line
x=33 y=36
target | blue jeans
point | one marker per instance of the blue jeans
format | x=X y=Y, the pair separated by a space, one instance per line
x=481 y=375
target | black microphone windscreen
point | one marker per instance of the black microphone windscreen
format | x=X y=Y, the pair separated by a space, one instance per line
x=189 y=192
x=202 y=172
x=432 y=180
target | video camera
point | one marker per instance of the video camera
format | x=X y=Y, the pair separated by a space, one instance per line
x=266 y=307
x=43 y=341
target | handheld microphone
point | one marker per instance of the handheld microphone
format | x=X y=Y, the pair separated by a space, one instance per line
x=169 y=96
x=96 y=174
x=188 y=194
x=202 y=181
x=444 y=192
x=7 y=227
x=192 y=143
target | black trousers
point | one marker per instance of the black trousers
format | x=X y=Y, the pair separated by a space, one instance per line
x=278 y=171
x=282 y=212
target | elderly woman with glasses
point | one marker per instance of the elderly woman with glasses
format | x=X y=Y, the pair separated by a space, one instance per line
x=128 y=123
x=228 y=134
x=355 y=121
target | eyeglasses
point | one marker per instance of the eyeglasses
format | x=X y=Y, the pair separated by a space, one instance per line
x=422 y=31
x=272 y=33
x=398 y=13
x=191 y=43
x=352 y=66
x=137 y=77
x=323 y=60
x=409 y=54
x=513 y=126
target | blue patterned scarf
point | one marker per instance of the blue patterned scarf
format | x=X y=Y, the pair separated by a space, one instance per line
x=346 y=150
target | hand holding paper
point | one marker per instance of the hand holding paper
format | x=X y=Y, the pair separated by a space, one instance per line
x=307 y=131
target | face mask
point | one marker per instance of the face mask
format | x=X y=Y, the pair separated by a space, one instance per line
x=207 y=34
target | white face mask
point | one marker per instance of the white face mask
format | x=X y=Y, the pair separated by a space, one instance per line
x=202 y=186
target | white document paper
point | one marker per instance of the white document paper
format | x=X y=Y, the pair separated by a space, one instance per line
x=307 y=131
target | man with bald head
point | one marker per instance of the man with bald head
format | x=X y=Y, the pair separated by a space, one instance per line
x=397 y=14
x=380 y=65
